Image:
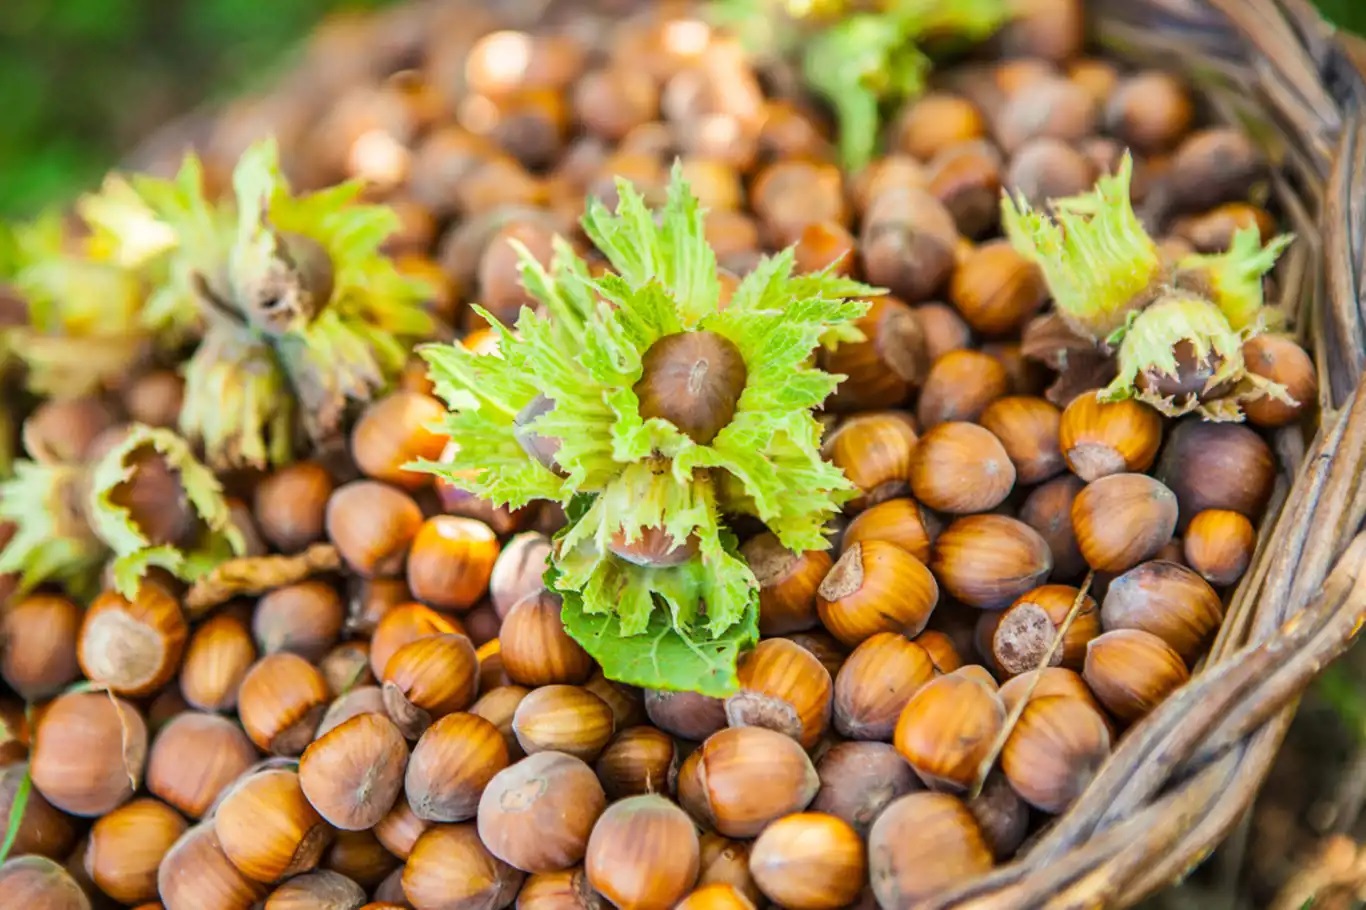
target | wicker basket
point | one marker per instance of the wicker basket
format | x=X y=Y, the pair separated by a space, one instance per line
x=1182 y=779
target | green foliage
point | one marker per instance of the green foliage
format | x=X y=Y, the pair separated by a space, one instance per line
x=85 y=80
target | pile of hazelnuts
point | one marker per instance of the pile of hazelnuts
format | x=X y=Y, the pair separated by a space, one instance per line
x=417 y=730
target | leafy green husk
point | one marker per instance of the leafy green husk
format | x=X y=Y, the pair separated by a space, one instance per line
x=118 y=527
x=624 y=474
x=1097 y=259
x=83 y=331
x=1233 y=279
x=334 y=336
x=52 y=541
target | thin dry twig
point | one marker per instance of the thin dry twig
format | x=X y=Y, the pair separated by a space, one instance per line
x=1044 y=663
x=258 y=574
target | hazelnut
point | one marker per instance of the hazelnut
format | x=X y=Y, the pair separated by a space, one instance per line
x=1212 y=166
x=875 y=683
x=196 y=873
x=88 y=753
x=966 y=179
x=960 y=386
x=874 y=451
x=347 y=666
x=1123 y=519
x=1132 y=672
x=1099 y=438
x=1280 y=360
x=500 y=269
x=368 y=599
x=948 y=728
x=537 y=814
x=1027 y=427
x=716 y=896
x=1001 y=814
x=429 y=678
x=787 y=583
x=782 y=687
x=935 y=121
x=403 y=625
x=1048 y=510
x=789 y=195
x=986 y=561
x=1150 y=111
x=907 y=243
x=66 y=431
x=132 y=647
x=1052 y=107
x=741 y=779
x=566 y=719
x=1168 y=600
x=1026 y=630
x=997 y=290
x=304 y=618
x=876 y=586
x=1217 y=466
x=726 y=862
x=961 y=468
x=290 y=504
x=1213 y=232
x=823 y=245
x=193 y=758
x=38 y=640
x=627 y=702
x=903 y=522
x=643 y=853
x=280 y=703
x=1045 y=168
x=448 y=868
x=322 y=890
x=451 y=561
x=394 y=431
x=921 y=845
x=612 y=101
x=353 y=773
x=36 y=881
x=267 y=827
x=687 y=715
x=218 y=657
x=518 y=570
x=637 y=761
x=1219 y=545
x=809 y=861
x=823 y=645
x=1051 y=29
x=1099 y=77
x=882 y=175
x=126 y=847
x=944 y=329
x=451 y=765
x=537 y=651
x=357 y=701
x=498 y=706
x=1054 y=750
x=1052 y=681
x=362 y=858
x=372 y=525
x=693 y=380
x=882 y=370
x=859 y=779
x=564 y=890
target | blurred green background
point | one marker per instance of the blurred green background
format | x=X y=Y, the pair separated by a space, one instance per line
x=82 y=80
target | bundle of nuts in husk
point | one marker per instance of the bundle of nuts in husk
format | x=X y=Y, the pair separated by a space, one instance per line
x=630 y=459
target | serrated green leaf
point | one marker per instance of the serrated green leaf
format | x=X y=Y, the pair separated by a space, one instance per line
x=118 y=527
x=661 y=657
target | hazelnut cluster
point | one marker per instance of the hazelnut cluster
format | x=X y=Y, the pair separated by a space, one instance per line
x=324 y=679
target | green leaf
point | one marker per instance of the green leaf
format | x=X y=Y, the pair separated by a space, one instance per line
x=661 y=657
x=118 y=527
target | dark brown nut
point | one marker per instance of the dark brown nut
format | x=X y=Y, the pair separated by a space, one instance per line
x=907 y=243
x=859 y=779
x=1217 y=466
x=1151 y=111
x=967 y=180
x=1168 y=600
x=686 y=715
x=1213 y=166
x=1044 y=169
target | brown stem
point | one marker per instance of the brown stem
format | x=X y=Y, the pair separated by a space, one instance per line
x=258 y=574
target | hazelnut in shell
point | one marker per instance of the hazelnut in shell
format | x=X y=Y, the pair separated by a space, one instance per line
x=809 y=861
x=1219 y=544
x=304 y=618
x=1028 y=627
x=429 y=678
x=1054 y=750
x=290 y=504
x=1132 y=672
x=393 y=431
x=1027 y=428
x=372 y=526
x=126 y=847
x=132 y=647
x=537 y=815
x=353 y=774
x=638 y=760
x=947 y=729
x=561 y=718
x=1048 y=510
x=921 y=845
x=882 y=370
x=875 y=683
x=986 y=561
x=1122 y=519
x=197 y=873
x=1280 y=360
x=643 y=853
x=787 y=583
x=960 y=386
x=194 y=758
x=537 y=651
x=874 y=451
x=859 y=779
x=687 y=715
x=449 y=868
x=217 y=659
x=280 y=703
x=996 y=289
x=1171 y=601
x=39 y=634
x=36 y=881
x=268 y=828
x=782 y=687
x=741 y=779
x=874 y=587
x=451 y=561
x=961 y=468
x=1099 y=438
x=451 y=765
x=902 y=521
x=88 y=753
